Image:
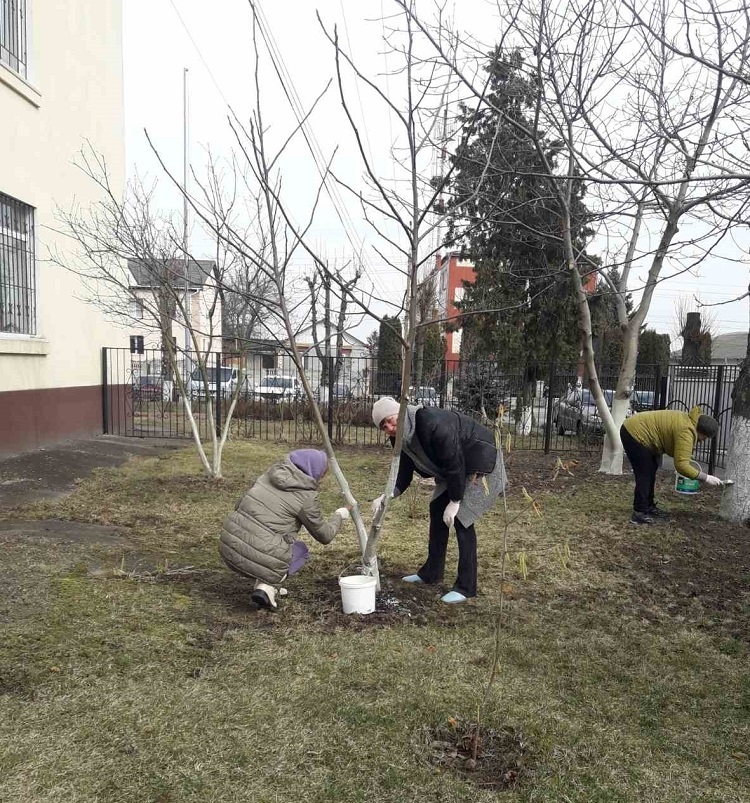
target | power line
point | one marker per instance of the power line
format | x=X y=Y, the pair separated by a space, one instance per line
x=309 y=135
x=200 y=55
x=296 y=105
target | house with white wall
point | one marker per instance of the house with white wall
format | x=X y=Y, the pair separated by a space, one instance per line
x=154 y=286
x=356 y=364
x=61 y=85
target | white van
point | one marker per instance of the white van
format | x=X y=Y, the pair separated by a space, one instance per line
x=278 y=387
x=228 y=378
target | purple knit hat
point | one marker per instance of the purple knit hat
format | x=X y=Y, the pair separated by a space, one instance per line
x=313 y=462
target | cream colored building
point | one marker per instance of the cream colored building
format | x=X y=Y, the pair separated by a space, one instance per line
x=61 y=85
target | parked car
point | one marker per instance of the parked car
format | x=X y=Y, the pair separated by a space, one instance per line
x=278 y=387
x=151 y=388
x=425 y=395
x=341 y=393
x=643 y=400
x=577 y=412
x=228 y=377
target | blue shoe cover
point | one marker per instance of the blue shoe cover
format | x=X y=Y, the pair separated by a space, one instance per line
x=412 y=578
x=453 y=597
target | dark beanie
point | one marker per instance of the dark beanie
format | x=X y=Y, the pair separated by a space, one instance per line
x=707 y=426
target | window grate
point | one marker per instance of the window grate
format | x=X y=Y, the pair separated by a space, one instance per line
x=17 y=267
x=13 y=40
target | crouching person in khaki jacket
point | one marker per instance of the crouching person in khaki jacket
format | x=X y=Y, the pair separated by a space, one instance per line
x=258 y=539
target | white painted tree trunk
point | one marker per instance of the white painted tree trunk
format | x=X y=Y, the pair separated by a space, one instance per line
x=735 y=501
x=523 y=427
x=612 y=453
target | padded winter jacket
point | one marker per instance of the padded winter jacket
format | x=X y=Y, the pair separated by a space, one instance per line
x=455 y=443
x=671 y=432
x=256 y=539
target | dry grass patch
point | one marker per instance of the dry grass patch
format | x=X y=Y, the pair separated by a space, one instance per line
x=140 y=672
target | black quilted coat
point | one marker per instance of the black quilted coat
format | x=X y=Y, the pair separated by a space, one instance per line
x=455 y=443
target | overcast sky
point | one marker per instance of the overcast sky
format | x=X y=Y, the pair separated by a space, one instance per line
x=213 y=41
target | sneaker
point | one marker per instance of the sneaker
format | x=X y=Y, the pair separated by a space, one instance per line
x=658 y=513
x=453 y=597
x=412 y=578
x=642 y=518
x=264 y=596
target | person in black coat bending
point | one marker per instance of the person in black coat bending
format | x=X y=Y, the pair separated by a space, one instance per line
x=469 y=476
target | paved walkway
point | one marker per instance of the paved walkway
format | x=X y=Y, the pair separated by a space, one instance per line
x=53 y=471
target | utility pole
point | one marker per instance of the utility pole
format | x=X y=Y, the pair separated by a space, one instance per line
x=329 y=361
x=185 y=213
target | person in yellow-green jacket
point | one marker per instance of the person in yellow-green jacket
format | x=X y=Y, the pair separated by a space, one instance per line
x=647 y=436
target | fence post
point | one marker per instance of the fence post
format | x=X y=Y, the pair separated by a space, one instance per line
x=105 y=392
x=663 y=383
x=217 y=415
x=657 y=386
x=548 y=420
x=716 y=411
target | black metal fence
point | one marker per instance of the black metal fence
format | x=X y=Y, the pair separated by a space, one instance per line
x=541 y=407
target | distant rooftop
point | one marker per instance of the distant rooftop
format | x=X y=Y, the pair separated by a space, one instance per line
x=145 y=273
x=731 y=347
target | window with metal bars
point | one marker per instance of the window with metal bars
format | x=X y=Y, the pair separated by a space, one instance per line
x=17 y=267
x=13 y=39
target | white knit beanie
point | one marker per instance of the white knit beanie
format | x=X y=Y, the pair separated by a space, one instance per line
x=383 y=408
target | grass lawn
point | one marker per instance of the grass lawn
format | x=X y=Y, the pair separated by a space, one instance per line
x=134 y=668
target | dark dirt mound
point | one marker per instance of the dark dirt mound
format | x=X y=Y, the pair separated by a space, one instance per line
x=317 y=601
x=494 y=759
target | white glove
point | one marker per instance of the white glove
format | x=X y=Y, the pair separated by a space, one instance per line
x=344 y=513
x=711 y=480
x=450 y=512
x=377 y=504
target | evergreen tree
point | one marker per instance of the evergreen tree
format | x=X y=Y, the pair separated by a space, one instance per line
x=605 y=326
x=653 y=349
x=389 y=356
x=521 y=308
x=434 y=355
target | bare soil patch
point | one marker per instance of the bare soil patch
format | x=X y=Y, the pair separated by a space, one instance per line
x=316 y=601
x=61 y=532
x=695 y=568
x=492 y=759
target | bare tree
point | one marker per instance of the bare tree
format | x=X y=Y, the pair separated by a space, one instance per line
x=245 y=296
x=325 y=351
x=119 y=235
x=270 y=244
x=399 y=211
x=400 y=208
x=695 y=327
x=649 y=107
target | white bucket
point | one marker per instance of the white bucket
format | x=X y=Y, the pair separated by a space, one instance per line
x=358 y=593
